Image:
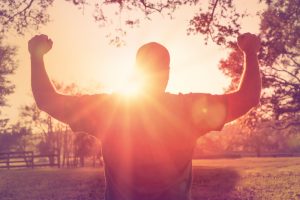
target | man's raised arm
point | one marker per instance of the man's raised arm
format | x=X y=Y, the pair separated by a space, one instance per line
x=247 y=95
x=45 y=95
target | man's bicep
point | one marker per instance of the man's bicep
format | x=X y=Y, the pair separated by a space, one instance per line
x=208 y=112
x=61 y=107
x=75 y=111
x=237 y=105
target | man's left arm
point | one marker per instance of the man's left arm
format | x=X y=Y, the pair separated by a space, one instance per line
x=211 y=112
x=247 y=95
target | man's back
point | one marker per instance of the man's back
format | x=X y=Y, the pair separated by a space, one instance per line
x=147 y=142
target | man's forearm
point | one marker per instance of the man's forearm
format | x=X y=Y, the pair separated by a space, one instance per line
x=41 y=85
x=250 y=84
x=247 y=96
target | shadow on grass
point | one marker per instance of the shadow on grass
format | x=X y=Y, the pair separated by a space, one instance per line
x=88 y=184
x=213 y=183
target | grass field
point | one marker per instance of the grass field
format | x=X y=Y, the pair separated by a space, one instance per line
x=232 y=179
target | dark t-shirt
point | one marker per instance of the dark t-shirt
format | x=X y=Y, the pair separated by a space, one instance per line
x=148 y=143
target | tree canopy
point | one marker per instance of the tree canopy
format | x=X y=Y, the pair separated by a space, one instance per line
x=16 y=17
x=217 y=20
x=21 y=16
x=279 y=60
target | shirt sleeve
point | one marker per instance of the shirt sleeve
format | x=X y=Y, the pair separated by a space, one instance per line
x=206 y=112
x=85 y=113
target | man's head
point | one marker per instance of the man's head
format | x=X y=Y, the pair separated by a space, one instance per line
x=153 y=65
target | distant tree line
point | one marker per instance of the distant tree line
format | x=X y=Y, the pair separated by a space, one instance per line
x=275 y=123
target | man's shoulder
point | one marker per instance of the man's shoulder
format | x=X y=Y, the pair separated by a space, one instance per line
x=164 y=99
x=93 y=100
x=188 y=96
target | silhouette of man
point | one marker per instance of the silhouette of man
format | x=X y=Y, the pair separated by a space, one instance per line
x=148 y=141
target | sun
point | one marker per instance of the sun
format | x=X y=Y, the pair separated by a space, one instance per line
x=130 y=85
x=130 y=88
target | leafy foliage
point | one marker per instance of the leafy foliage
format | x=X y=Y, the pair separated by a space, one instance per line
x=16 y=17
x=220 y=22
x=23 y=15
x=280 y=32
x=279 y=59
x=217 y=20
x=7 y=67
x=14 y=138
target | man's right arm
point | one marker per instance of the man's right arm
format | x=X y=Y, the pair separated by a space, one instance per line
x=45 y=95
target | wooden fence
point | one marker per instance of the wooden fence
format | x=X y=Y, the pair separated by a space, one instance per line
x=27 y=159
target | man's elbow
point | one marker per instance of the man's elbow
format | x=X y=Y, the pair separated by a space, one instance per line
x=248 y=101
x=43 y=102
x=42 y=105
x=254 y=101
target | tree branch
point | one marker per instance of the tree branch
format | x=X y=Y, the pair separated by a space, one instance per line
x=288 y=110
x=286 y=126
x=281 y=80
x=18 y=13
x=291 y=74
x=294 y=61
x=212 y=15
x=147 y=6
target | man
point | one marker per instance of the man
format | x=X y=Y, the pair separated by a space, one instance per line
x=148 y=141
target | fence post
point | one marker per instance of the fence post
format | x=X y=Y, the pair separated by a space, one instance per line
x=8 y=161
x=58 y=160
x=32 y=160
x=58 y=157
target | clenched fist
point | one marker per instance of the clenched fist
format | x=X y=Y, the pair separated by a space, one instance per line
x=248 y=43
x=39 y=45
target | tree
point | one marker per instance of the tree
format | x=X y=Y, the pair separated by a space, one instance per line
x=7 y=67
x=43 y=124
x=279 y=60
x=280 y=32
x=216 y=19
x=20 y=16
x=86 y=145
x=55 y=137
x=15 y=138
x=16 y=17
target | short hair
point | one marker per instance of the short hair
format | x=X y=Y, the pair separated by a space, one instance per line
x=154 y=56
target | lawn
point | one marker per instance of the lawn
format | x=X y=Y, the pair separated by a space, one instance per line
x=240 y=179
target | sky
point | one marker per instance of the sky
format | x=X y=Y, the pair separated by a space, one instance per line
x=82 y=54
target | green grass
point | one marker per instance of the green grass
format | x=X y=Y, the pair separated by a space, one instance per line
x=241 y=179
x=247 y=179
